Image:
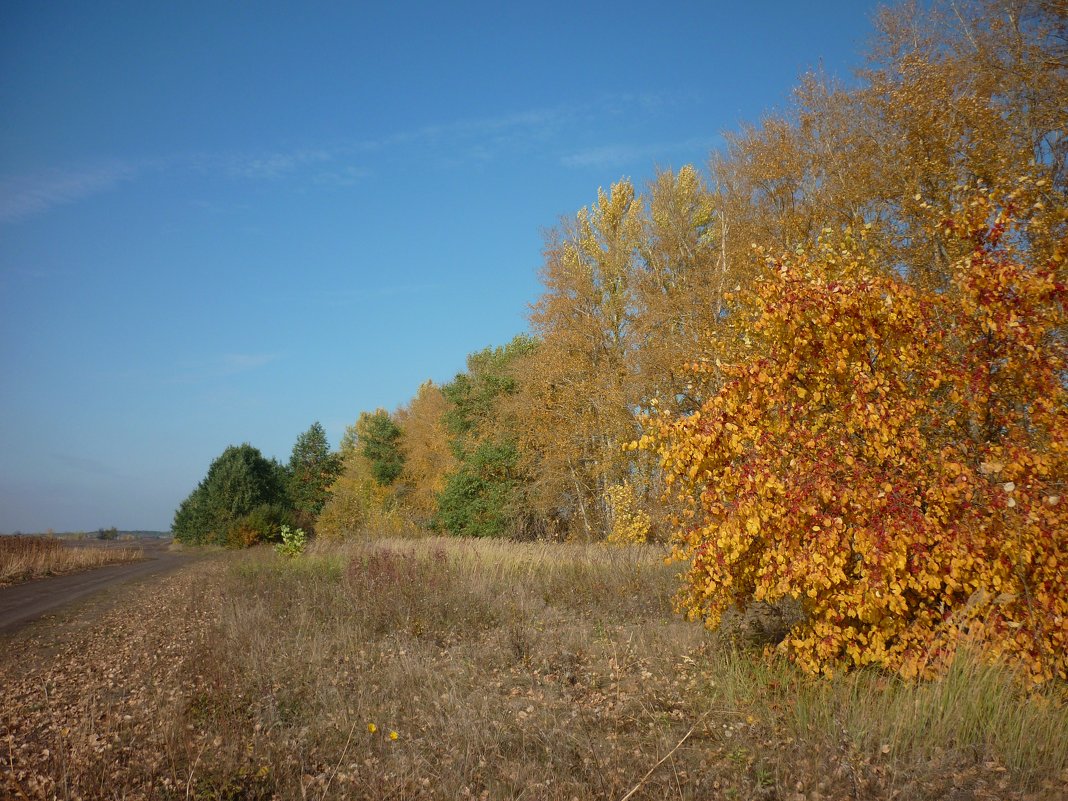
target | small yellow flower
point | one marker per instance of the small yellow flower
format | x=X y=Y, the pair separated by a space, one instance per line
x=372 y=728
x=393 y=735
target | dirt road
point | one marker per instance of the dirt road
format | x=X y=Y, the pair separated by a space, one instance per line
x=22 y=603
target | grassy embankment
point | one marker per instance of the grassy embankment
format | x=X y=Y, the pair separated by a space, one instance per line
x=28 y=557
x=506 y=671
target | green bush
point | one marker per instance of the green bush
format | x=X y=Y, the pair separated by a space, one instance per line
x=293 y=542
x=239 y=482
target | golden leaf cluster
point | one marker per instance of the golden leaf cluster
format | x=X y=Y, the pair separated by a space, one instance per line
x=891 y=458
x=629 y=524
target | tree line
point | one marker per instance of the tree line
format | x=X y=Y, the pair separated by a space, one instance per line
x=831 y=369
x=246 y=498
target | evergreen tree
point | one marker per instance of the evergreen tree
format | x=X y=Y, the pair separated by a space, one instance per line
x=312 y=469
x=379 y=442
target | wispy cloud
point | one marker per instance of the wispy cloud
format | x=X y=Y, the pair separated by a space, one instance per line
x=621 y=155
x=25 y=196
x=220 y=209
x=604 y=156
x=345 y=176
x=338 y=165
x=475 y=140
x=276 y=165
x=222 y=366
x=522 y=124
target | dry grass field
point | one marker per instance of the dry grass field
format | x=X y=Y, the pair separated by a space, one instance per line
x=447 y=669
x=28 y=557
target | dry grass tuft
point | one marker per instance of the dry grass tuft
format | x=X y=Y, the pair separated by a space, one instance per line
x=445 y=669
x=23 y=558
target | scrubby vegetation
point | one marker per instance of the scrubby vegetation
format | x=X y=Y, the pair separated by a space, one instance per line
x=505 y=670
x=29 y=557
x=890 y=458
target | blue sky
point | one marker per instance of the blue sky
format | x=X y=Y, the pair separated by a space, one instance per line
x=222 y=221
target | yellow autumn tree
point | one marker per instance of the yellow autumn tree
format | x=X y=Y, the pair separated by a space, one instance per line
x=364 y=499
x=428 y=457
x=954 y=95
x=681 y=279
x=574 y=407
x=893 y=459
x=628 y=523
x=358 y=505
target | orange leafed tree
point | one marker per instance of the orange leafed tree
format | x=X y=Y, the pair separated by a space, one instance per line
x=892 y=458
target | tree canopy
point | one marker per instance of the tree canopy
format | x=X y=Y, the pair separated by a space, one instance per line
x=312 y=469
x=238 y=483
x=830 y=370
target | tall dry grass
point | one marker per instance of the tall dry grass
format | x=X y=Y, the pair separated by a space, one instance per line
x=506 y=671
x=553 y=671
x=28 y=557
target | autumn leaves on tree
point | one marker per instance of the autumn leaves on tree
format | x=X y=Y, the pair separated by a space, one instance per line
x=882 y=458
x=833 y=371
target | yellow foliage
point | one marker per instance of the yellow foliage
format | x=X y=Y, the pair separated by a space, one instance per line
x=428 y=457
x=576 y=393
x=358 y=504
x=629 y=524
x=827 y=468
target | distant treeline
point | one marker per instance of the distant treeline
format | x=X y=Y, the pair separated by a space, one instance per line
x=100 y=533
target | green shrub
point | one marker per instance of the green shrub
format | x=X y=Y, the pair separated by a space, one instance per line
x=238 y=482
x=480 y=497
x=293 y=542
